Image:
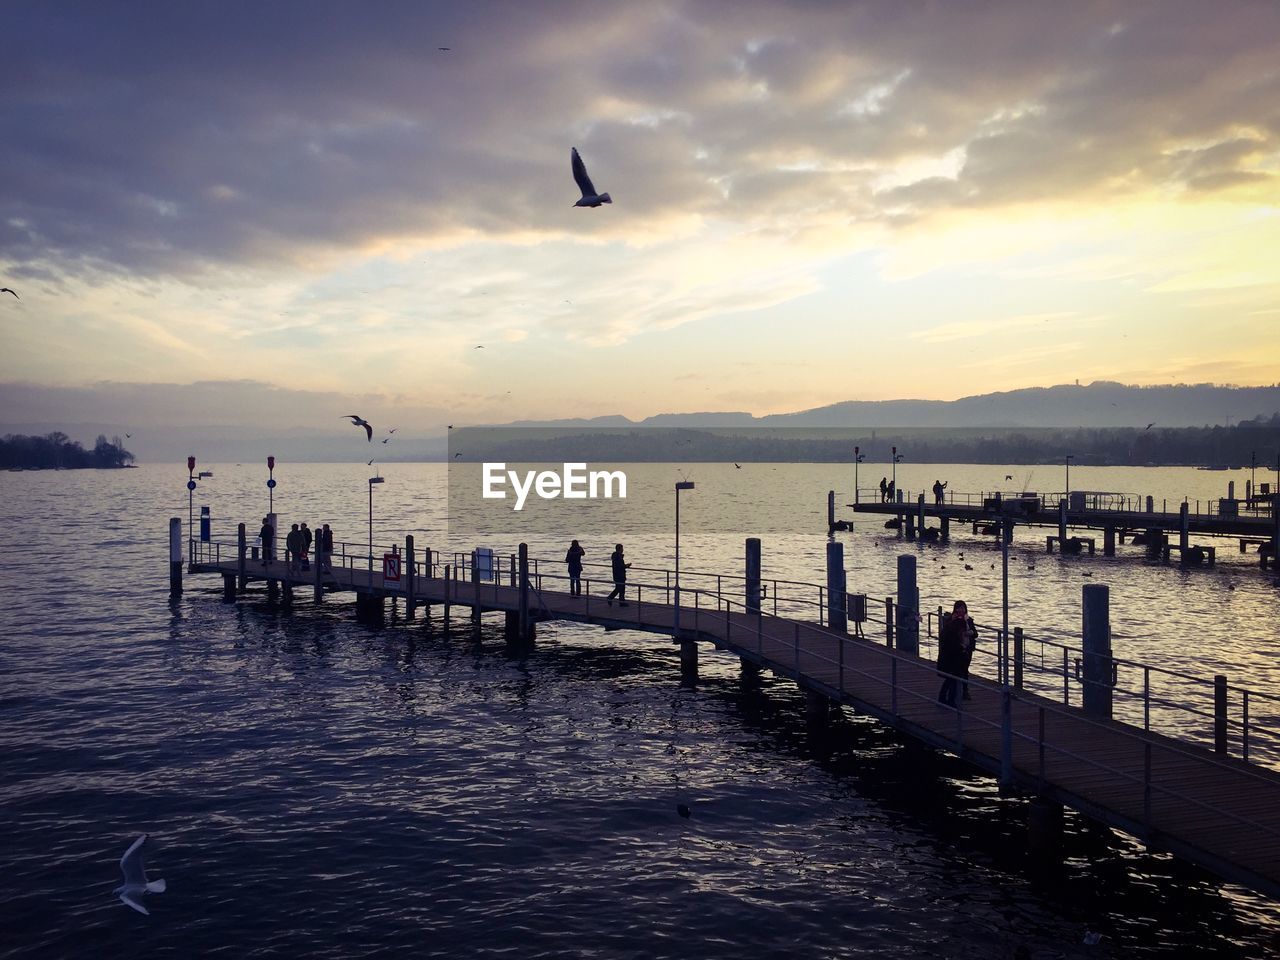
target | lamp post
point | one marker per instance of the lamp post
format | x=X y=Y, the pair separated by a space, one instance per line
x=893 y=483
x=372 y=481
x=857 y=459
x=191 y=507
x=1068 y=459
x=1253 y=476
x=681 y=485
x=271 y=485
x=1004 y=597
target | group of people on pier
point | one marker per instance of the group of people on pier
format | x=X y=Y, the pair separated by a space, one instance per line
x=957 y=639
x=573 y=560
x=297 y=545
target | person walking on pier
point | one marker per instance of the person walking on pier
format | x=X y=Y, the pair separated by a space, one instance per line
x=325 y=550
x=938 y=496
x=884 y=489
x=953 y=640
x=573 y=558
x=306 y=546
x=619 y=577
x=891 y=492
x=267 y=537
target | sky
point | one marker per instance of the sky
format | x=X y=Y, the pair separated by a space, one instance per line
x=212 y=211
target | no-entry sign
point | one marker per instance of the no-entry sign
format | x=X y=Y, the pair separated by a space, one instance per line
x=391 y=567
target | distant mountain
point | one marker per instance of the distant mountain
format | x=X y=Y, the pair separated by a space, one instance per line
x=1099 y=404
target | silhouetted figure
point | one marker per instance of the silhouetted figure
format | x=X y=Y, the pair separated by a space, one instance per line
x=307 y=540
x=326 y=549
x=939 y=497
x=884 y=489
x=293 y=549
x=573 y=558
x=891 y=491
x=619 y=577
x=267 y=536
x=955 y=650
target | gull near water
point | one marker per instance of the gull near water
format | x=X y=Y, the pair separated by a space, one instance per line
x=589 y=196
x=135 y=878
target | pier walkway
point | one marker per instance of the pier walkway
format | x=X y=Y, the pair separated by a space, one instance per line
x=1218 y=811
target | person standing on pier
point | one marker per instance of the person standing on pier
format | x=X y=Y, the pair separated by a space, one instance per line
x=267 y=537
x=306 y=547
x=325 y=549
x=891 y=492
x=884 y=489
x=954 y=652
x=938 y=496
x=293 y=549
x=619 y=577
x=574 y=560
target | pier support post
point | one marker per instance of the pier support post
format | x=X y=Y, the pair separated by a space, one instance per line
x=1109 y=541
x=911 y=527
x=1062 y=524
x=242 y=576
x=688 y=658
x=175 y=557
x=1044 y=827
x=318 y=560
x=287 y=591
x=908 y=605
x=273 y=591
x=831 y=512
x=1151 y=504
x=410 y=578
x=526 y=628
x=1096 y=643
x=1184 y=531
x=946 y=530
x=817 y=709
x=836 y=619
x=448 y=588
x=1018 y=656
x=228 y=588
x=369 y=608
x=920 y=515
x=750 y=671
x=753 y=575
x=888 y=622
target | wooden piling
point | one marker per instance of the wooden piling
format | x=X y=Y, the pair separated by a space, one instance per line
x=1220 y=713
x=526 y=625
x=1108 y=541
x=920 y=515
x=888 y=621
x=1018 y=655
x=753 y=575
x=836 y=618
x=175 y=557
x=688 y=657
x=1062 y=523
x=817 y=709
x=242 y=576
x=1184 y=530
x=475 y=587
x=448 y=587
x=1096 y=644
x=228 y=588
x=946 y=530
x=831 y=511
x=908 y=605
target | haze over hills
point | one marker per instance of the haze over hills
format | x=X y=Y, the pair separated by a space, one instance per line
x=309 y=427
x=1099 y=404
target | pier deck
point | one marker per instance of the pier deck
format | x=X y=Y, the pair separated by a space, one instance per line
x=1213 y=810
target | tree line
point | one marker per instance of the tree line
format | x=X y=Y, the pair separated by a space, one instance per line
x=56 y=451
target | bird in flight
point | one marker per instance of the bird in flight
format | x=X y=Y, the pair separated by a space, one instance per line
x=589 y=196
x=1008 y=476
x=738 y=465
x=393 y=430
x=386 y=439
x=135 y=877
x=451 y=426
x=7 y=290
x=456 y=456
x=1149 y=426
x=361 y=422
x=479 y=346
x=444 y=49
x=128 y=435
x=369 y=463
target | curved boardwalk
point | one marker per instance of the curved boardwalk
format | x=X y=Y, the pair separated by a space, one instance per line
x=1219 y=812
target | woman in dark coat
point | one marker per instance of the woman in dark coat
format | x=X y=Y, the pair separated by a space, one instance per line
x=955 y=650
x=574 y=560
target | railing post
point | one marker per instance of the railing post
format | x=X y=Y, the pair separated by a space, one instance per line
x=1220 y=713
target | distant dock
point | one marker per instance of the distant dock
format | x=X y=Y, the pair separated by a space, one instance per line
x=1253 y=522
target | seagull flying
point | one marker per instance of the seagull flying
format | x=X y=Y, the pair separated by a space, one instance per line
x=479 y=346
x=456 y=456
x=1008 y=476
x=361 y=422
x=589 y=196
x=451 y=426
x=128 y=435
x=1149 y=426
x=135 y=877
x=7 y=290
x=386 y=439
x=393 y=430
x=369 y=463
x=738 y=465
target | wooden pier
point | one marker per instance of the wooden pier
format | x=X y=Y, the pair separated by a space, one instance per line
x=1212 y=809
x=1117 y=517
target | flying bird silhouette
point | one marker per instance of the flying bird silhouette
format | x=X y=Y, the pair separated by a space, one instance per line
x=135 y=877
x=589 y=196
x=738 y=465
x=386 y=439
x=128 y=435
x=369 y=463
x=445 y=49
x=1008 y=476
x=1149 y=426
x=479 y=346
x=451 y=426
x=456 y=456
x=7 y=290
x=361 y=422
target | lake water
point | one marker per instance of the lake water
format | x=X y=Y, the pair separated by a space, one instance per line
x=317 y=787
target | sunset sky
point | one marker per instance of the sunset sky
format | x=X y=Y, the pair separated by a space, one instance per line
x=824 y=202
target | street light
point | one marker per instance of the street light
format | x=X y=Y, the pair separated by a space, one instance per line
x=191 y=509
x=857 y=459
x=372 y=481
x=1069 y=458
x=893 y=484
x=271 y=485
x=681 y=485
